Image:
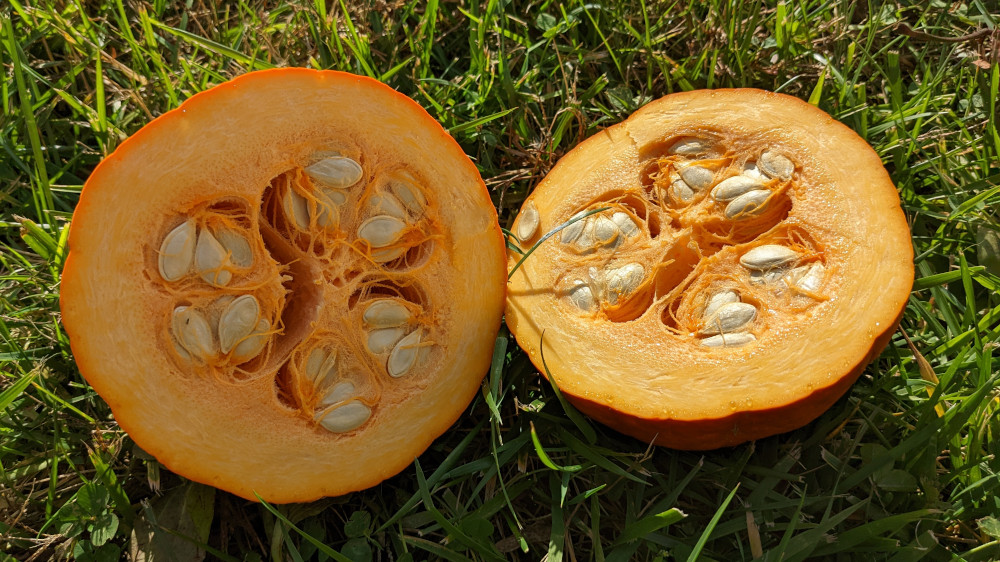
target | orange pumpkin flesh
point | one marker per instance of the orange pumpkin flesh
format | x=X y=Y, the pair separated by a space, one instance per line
x=242 y=392
x=625 y=303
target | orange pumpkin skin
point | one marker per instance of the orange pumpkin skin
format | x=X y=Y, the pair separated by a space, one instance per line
x=238 y=161
x=642 y=354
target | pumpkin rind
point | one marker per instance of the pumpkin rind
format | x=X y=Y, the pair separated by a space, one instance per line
x=638 y=361
x=224 y=157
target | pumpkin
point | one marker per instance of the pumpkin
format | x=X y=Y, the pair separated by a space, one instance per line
x=720 y=267
x=288 y=286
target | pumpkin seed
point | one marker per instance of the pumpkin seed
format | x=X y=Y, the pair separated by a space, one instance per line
x=383 y=339
x=386 y=204
x=717 y=300
x=582 y=296
x=809 y=277
x=328 y=213
x=177 y=251
x=386 y=313
x=625 y=223
x=387 y=254
x=337 y=171
x=751 y=170
x=527 y=223
x=320 y=366
x=237 y=321
x=585 y=241
x=574 y=230
x=776 y=165
x=747 y=204
x=623 y=281
x=193 y=333
x=409 y=196
x=210 y=258
x=340 y=392
x=238 y=247
x=697 y=177
x=345 y=418
x=405 y=355
x=681 y=192
x=732 y=317
x=731 y=188
x=767 y=256
x=768 y=276
x=381 y=230
x=728 y=340
x=605 y=230
x=688 y=147
x=296 y=209
x=252 y=345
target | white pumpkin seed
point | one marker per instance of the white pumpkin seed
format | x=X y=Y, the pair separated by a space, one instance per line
x=345 y=418
x=237 y=321
x=681 y=192
x=582 y=296
x=383 y=339
x=177 y=251
x=623 y=281
x=321 y=366
x=409 y=196
x=386 y=313
x=605 y=230
x=776 y=165
x=252 y=345
x=381 y=230
x=585 y=241
x=747 y=204
x=696 y=177
x=728 y=340
x=717 y=300
x=574 y=230
x=810 y=277
x=625 y=223
x=768 y=276
x=329 y=202
x=193 y=333
x=238 y=247
x=340 y=392
x=527 y=223
x=688 y=147
x=731 y=188
x=338 y=172
x=751 y=170
x=296 y=209
x=386 y=204
x=210 y=259
x=387 y=254
x=768 y=256
x=732 y=317
x=405 y=355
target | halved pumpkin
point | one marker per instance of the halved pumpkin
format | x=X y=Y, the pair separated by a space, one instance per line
x=728 y=263
x=288 y=286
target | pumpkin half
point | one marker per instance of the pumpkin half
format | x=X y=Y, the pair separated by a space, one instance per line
x=288 y=286
x=722 y=266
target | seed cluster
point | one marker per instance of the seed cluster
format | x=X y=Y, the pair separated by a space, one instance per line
x=366 y=232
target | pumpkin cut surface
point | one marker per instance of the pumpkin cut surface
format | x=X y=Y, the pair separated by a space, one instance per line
x=722 y=267
x=288 y=286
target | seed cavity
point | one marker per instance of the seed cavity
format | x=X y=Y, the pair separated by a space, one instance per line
x=405 y=354
x=747 y=204
x=386 y=313
x=338 y=172
x=210 y=258
x=381 y=230
x=527 y=223
x=776 y=165
x=623 y=281
x=697 y=177
x=177 y=251
x=192 y=331
x=731 y=188
x=237 y=321
x=768 y=256
x=383 y=339
x=345 y=418
x=728 y=340
x=732 y=317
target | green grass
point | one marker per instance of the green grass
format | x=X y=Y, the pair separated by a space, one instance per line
x=904 y=468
